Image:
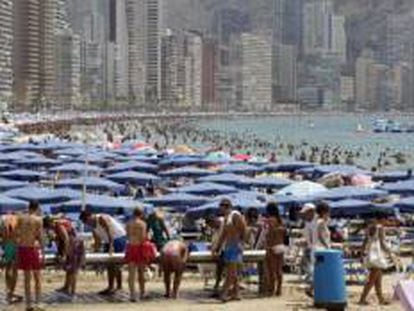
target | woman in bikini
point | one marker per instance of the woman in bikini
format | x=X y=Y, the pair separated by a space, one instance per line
x=274 y=235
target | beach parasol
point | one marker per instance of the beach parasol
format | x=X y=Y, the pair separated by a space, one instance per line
x=303 y=188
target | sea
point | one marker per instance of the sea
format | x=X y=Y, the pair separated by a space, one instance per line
x=351 y=132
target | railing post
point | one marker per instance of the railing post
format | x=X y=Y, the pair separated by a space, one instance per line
x=261 y=272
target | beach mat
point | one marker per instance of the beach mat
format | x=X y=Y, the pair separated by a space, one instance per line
x=404 y=292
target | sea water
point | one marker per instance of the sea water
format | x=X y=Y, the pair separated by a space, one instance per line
x=339 y=130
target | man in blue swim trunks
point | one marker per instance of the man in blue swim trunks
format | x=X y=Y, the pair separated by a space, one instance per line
x=111 y=234
x=231 y=243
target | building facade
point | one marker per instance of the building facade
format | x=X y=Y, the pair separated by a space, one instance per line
x=257 y=72
x=34 y=53
x=6 y=49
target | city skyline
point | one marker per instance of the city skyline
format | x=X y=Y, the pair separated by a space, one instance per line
x=206 y=55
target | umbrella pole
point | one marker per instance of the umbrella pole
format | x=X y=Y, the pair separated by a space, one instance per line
x=83 y=208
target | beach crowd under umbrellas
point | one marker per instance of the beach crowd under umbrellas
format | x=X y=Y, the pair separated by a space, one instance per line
x=140 y=188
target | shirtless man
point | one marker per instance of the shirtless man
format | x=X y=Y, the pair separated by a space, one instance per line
x=8 y=237
x=139 y=253
x=173 y=260
x=30 y=247
x=71 y=250
x=231 y=241
x=111 y=233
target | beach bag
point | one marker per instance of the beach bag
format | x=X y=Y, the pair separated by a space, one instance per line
x=376 y=256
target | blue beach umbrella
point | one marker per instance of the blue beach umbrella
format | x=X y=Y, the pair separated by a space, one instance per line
x=37 y=162
x=179 y=201
x=182 y=160
x=239 y=202
x=240 y=168
x=93 y=159
x=36 y=194
x=207 y=189
x=225 y=178
x=142 y=158
x=303 y=188
x=351 y=208
x=91 y=183
x=350 y=192
x=98 y=204
x=8 y=205
x=322 y=170
x=392 y=176
x=404 y=188
x=406 y=205
x=8 y=184
x=134 y=178
x=287 y=166
x=75 y=168
x=69 y=194
x=132 y=166
x=268 y=182
x=23 y=175
x=187 y=171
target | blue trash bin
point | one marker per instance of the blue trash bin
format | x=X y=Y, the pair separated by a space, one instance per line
x=329 y=280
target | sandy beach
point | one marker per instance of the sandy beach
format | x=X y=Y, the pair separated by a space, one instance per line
x=193 y=296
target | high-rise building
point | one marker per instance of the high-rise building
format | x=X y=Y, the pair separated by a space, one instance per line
x=33 y=52
x=68 y=75
x=317 y=26
x=144 y=25
x=209 y=72
x=172 y=68
x=6 y=44
x=119 y=33
x=399 y=37
x=287 y=22
x=136 y=51
x=257 y=72
x=401 y=81
x=193 y=69
x=284 y=72
x=362 y=66
x=347 y=89
x=153 y=51
x=338 y=42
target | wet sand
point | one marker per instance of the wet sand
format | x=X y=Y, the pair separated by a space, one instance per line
x=193 y=297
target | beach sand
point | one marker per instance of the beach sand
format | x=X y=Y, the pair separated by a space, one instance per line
x=193 y=297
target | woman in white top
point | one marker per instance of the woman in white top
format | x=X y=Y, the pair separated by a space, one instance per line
x=323 y=235
x=376 y=254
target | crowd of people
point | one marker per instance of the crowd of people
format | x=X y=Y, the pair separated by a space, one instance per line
x=176 y=132
x=145 y=236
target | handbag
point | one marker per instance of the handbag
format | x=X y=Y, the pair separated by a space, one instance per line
x=376 y=256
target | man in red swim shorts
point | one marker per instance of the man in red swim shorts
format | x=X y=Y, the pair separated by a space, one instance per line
x=139 y=252
x=30 y=244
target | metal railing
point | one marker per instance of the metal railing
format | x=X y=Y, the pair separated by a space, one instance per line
x=206 y=257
